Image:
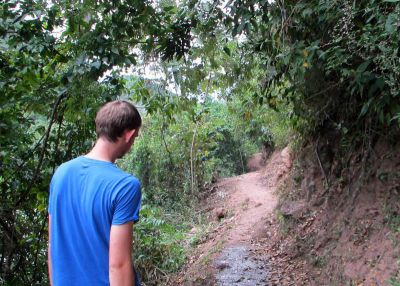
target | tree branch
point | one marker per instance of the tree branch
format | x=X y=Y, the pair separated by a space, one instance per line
x=36 y=272
x=166 y=146
x=44 y=146
x=320 y=164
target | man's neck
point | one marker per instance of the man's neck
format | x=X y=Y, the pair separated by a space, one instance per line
x=103 y=150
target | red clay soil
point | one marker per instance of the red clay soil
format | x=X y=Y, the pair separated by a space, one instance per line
x=302 y=232
x=256 y=162
x=347 y=233
x=242 y=210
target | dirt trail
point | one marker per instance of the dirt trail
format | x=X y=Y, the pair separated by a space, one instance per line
x=232 y=252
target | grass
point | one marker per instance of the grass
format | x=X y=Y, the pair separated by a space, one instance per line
x=215 y=249
x=319 y=261
x=285 y=224
x=201 y=233
x=245 y=205
x=395 y=280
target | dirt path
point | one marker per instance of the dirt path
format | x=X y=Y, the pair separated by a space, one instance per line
x=232 y=252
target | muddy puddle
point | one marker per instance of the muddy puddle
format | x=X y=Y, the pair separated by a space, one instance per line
x=237 y=265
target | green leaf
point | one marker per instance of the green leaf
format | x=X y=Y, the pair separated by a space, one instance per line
x=227 y=51
x=240 y=27
x=391 y=23
x=307 y=12
x=396 y=117
x=362 y=67
x=365 y=107
x=115 y=51
x=96 y=64
x=381 y=116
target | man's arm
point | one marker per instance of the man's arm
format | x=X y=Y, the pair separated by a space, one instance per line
x=120 y=263
x=48 y=256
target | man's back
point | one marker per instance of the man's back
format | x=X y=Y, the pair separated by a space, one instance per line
x=87 y=196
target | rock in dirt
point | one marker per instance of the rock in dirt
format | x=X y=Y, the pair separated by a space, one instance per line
x=219 y=213
x=294 y=209
x=244 y=268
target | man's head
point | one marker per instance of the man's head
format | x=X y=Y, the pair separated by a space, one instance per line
x=115 y=118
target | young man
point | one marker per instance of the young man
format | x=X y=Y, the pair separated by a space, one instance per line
x=93 y=205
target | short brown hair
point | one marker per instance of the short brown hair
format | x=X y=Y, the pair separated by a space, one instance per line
x=115 y=117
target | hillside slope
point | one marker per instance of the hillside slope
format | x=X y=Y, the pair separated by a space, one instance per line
x=348 y=226
x=313 y=221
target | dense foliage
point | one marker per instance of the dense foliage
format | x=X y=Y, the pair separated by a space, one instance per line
x=196 y=146
x=58 y=63
x=336 y=61
x=319 y=63
x=176 y=161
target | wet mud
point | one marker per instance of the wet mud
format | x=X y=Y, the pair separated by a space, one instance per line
x=239 y=265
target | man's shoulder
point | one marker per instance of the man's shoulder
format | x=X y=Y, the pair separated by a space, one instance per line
x=129 y=178
x=65 y=171
x=115 y=173
x=96 y=169
x=73 y=161
x=67 y=165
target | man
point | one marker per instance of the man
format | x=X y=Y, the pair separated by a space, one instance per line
x=93 y=205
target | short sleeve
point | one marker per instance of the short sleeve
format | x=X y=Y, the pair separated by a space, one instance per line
x=51 y=197
x=127 y=202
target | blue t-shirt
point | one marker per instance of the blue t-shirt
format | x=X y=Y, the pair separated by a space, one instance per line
x=87 y=196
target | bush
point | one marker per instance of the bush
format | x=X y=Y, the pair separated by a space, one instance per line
x=158 y=251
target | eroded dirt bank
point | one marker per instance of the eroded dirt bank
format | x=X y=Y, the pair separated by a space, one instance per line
x=342 y=214
x=336 y=222
x=233 y=251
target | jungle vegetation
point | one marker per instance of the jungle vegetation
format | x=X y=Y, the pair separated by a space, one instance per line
x=228 y=76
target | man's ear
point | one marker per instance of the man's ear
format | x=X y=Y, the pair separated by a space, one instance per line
x=129 y=134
